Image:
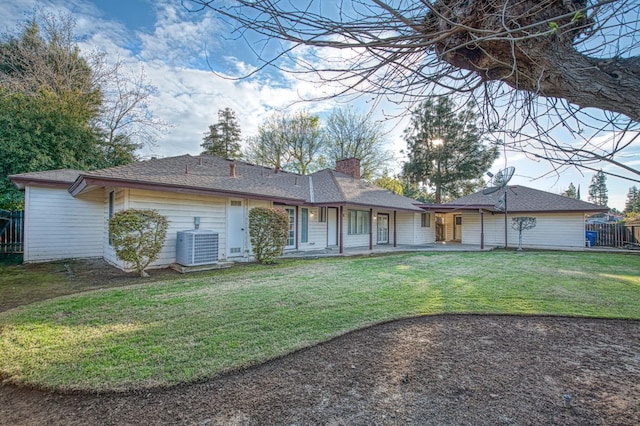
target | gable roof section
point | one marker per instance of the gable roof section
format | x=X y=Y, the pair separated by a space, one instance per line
x=521 y=199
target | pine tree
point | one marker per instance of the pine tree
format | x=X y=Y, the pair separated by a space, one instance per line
x=632 y=204
x=445 y=148
x=223 y=138
x=598 y=192
x=571 y=191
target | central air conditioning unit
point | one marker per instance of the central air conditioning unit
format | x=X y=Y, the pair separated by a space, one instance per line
x=197 y=247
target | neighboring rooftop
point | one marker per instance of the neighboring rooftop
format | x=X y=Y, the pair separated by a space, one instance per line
x=521 y=199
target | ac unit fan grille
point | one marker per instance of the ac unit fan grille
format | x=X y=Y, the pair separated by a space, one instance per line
x=197 y=247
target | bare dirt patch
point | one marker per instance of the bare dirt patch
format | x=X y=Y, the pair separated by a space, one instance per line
x=452 y=369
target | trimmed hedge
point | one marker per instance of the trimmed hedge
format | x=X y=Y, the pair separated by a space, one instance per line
x=268 y=230
x=138 y=236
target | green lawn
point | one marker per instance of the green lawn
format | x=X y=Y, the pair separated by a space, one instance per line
x=188 y=329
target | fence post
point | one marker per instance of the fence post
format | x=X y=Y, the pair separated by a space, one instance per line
x=12 y=239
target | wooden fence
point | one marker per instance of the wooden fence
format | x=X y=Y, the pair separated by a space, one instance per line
x=615 y=234
x=11 y=232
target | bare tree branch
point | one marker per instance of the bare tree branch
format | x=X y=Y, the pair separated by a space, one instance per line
x=535 y=67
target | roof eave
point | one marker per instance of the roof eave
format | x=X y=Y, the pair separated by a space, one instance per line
x=417 y=209
x=21 y=183
x=86 y=182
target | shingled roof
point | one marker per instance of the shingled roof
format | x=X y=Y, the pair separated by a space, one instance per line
x=332 y=187
x=201 y=174
x=521 y=199
x=60 y=178
x=206 y=174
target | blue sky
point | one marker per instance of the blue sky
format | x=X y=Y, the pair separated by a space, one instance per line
x=174 y=45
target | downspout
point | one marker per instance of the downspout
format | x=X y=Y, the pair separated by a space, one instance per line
x=481 y=229
x=505 y=219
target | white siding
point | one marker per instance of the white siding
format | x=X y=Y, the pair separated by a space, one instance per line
x=180 y=209
x=59 y=226
x=411 y=232
x=121 y=197
x=406 y=228
x=317 y=231
x=553 y=230
x=448 y=227
x=427 y=234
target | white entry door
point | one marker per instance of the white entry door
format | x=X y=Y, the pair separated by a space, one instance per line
x=383 y=228
x=235 y=229
x=332 y=226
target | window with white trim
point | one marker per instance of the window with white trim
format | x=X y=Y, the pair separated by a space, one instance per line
x=358 y=222
x=425 y=220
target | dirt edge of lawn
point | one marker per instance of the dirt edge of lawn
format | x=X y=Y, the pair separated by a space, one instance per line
x=439 y=369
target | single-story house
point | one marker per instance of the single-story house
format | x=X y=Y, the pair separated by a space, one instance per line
x=67 y=211
x=483 y=219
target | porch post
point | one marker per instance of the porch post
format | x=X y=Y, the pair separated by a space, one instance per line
x=340 y=230
x=297 y=226
x=481 y=229
x=370 y=229
x=395 y=230
x=506 y=236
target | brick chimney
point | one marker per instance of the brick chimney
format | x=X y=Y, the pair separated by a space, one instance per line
x=232 y=170
x=349 y=166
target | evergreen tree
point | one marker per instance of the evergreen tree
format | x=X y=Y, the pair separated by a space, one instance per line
x=387 y=182
x=48 y=103
x=223 y=138
x=632 y=205
x=61 y=109
x=598 y=193
x=571 y=192
x=445 y=148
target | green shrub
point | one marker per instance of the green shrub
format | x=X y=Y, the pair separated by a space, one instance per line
x=268 y=229
x=138 y=236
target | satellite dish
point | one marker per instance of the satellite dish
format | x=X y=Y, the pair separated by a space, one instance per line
x=502 y=178
x=499 y=180
x=490 y=190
